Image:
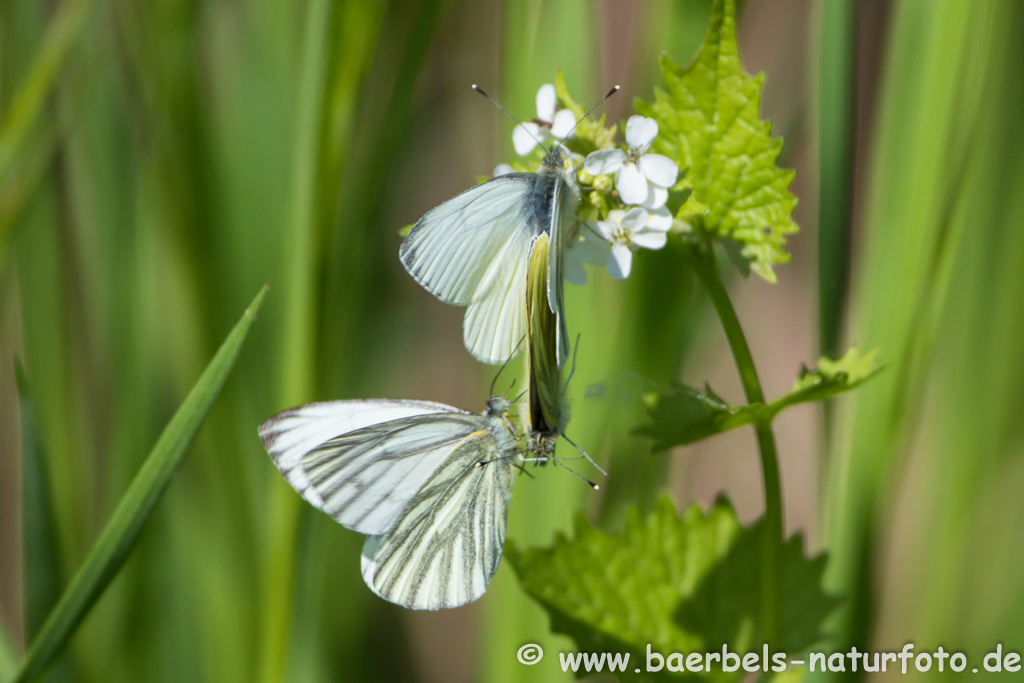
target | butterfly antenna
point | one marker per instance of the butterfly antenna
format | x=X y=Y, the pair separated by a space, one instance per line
x=507 y=360
x=547 y=458
x=585 y=455
x=585 y=116
x=509 y=114
x=567 y=469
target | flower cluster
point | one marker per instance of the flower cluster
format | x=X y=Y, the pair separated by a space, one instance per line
x=634 y=183
x=548 y=124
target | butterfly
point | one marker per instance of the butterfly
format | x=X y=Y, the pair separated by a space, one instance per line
x=547 y=406
x=548 y=412
x=428 y=484
x=474 y=249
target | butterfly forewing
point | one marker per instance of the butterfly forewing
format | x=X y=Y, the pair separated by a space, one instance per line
x=564 y=203
x=445 y=547
x=366 y=478
x=384 y=469
x=469 y=252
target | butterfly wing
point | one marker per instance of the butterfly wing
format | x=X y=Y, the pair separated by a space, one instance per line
x=547 y=406
x=361 y=462
x=471 y=251
x=564 y=203
x=445 y=546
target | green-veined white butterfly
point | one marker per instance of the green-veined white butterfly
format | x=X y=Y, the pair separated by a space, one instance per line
x=473 y=250
x=547 y=407
x=428 y=483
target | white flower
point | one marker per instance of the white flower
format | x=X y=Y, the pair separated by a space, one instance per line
x=548 y=124
x=591 y=248
x=618 y=237
x=640 y=178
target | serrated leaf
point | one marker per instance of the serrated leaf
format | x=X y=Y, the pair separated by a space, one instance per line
x=671 y=582
x=708 y=121
x=683 y=414
x=830 y=378
x=833 y=376
x=724 y=612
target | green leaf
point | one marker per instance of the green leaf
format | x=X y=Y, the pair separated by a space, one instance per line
x=678 y=583
x=724 y=610
x=683 y=415
x=118 y=537
x=832 y=377
x=708 y=122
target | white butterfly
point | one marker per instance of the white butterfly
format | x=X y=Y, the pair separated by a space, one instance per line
x=428 y=483
x=473 y=251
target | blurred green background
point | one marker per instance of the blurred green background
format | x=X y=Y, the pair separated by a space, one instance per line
x=159 y=161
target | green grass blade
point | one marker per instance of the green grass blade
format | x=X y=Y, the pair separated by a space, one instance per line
x=927 y=203
x=118 y=537
x=33 y=94
x=296 y=381
x=7 y=661
x=836 y=88
x=41 y=558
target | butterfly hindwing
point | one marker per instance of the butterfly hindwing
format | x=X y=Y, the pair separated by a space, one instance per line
x=445 y=547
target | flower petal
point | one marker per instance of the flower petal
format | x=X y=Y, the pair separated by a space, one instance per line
x=594 y=253
x=563 y=123
x=636 y=219
x=502 y=169
x=640 y=132
x=604 y=229
x=546 y=103
x=659 y=169
x=604 y=161
x=574 y=272
x=659 y=219
x=631 y=184
x=619 y=261
x=525 y=137
x=649 y=239
x=656 y=197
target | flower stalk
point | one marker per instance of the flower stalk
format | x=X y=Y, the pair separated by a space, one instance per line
x=702 y=259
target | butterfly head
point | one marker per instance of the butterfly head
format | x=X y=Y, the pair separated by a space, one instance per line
x=542 y=445
x=497 y=406
x=554 y=160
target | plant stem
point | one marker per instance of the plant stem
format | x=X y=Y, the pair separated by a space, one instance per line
x=702 y=259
